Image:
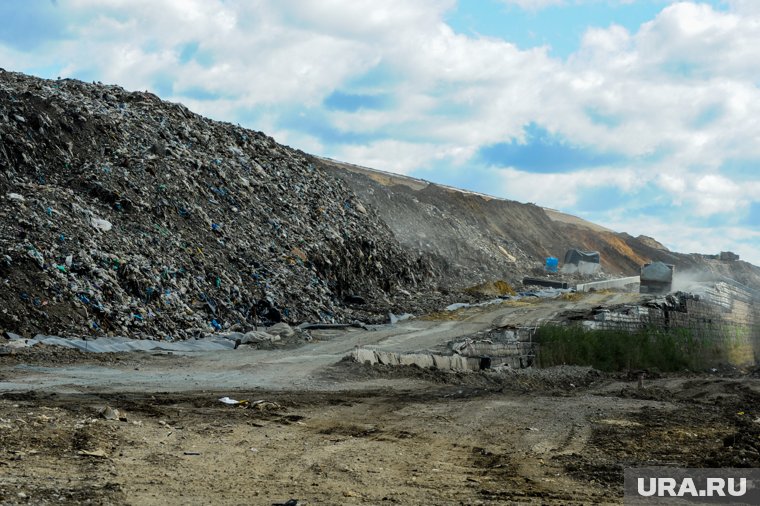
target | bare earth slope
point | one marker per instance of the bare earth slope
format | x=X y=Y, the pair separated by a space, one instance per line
x=480 y=238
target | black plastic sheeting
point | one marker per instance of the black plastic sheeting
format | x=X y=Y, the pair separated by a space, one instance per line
x=575 y=256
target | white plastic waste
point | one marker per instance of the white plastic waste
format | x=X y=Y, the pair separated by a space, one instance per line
x=100 y=224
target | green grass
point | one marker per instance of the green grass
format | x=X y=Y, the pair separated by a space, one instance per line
x=615 y=350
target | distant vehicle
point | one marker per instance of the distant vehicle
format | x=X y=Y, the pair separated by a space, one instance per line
x=656 y=278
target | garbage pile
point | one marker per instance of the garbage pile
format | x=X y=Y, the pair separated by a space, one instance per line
x=125 y=215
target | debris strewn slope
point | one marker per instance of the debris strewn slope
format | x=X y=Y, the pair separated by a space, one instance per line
x=125 y=214
x=479 y=238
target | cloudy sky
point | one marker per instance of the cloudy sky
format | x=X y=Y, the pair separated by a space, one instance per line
x=640 y=115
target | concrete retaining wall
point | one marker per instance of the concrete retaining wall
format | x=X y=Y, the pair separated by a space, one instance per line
x=510 y=346
x=513 y=347
x=608 y=283
x=422 y=360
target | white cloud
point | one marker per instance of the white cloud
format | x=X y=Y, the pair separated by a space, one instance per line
x=360 y=19
x=396 y=156
x=537 y=5
x=744 y=6
x=700 y=196
x=676 y=185
x=717 y=194
x=562 y=190
x=533 y=5
x=689 y=238
x=300 y=51
x=257 y=53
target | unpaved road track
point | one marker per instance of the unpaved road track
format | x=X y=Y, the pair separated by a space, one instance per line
x=285 y=369
x=348 y=433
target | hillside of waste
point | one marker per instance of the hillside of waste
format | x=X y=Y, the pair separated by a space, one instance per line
x=478 y=238
x=124 y=214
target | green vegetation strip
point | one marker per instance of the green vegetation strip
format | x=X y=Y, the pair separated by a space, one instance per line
x=674 y=349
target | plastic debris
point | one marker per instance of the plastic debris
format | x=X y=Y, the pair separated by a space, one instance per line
x=400 y=318
x=93 y=453
x=102 y=225
x=289 y=502
x=263 y=405
x=231 y=402
x=110 y=413
x=225 y=225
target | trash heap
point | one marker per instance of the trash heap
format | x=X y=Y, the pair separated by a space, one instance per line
x=125 y=215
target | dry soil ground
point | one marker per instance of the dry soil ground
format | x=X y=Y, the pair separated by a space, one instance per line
x=345 y=433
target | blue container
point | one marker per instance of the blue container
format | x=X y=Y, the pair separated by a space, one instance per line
x=552 y=264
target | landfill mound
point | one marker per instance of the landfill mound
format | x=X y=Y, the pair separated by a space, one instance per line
x=126 y=215
x=478 y=238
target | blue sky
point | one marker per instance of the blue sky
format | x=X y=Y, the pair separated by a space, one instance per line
x=639 y=115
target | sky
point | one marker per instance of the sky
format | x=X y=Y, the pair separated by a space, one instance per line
x=639 y=115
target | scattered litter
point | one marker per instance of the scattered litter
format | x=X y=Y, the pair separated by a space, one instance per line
x=110 y=413
x=263 y=405
x=395 y=319
x=102 y=225
x=289 y=502
x=460 y=305
x=281 y=329
x=257 y=337
x=93 y=453
x=232 y=402
x=260 y=405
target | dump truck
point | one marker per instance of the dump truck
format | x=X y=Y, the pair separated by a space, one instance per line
x=656 y=278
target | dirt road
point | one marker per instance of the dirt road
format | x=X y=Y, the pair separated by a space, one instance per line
x=284 y=369
x=332 y=432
